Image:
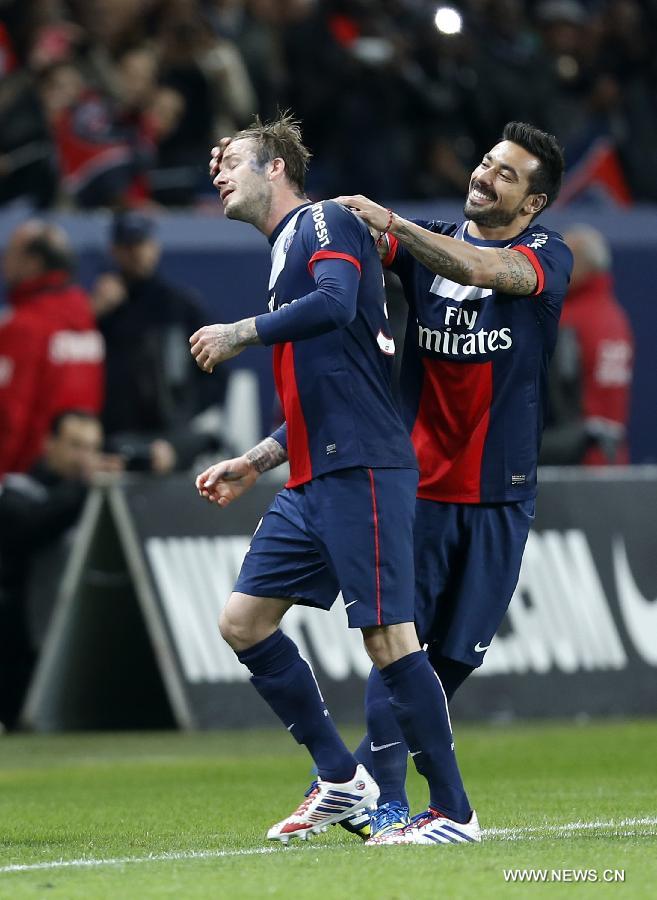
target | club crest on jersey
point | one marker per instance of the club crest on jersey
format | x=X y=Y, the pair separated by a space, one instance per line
x=322 y=232
x=540 y=240
x=288 y=240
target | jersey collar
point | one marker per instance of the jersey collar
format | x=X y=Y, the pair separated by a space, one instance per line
x=464 y=235
x=281 y=225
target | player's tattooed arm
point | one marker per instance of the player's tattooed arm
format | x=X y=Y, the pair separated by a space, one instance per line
x=213 y=344
x=266 y=455
x=512 y=272
x=227 y=480
x=439 y=253
x=507 y=271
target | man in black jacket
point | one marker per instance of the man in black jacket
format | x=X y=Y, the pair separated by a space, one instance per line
x=153 y=388
x=36 y=509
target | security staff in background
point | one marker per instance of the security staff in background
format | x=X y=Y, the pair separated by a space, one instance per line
x=154 y=390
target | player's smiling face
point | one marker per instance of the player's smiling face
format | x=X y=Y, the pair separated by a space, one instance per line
x=242 y=183
x=499 y=186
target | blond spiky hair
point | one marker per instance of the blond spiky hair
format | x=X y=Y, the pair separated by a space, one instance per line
x=280 y=138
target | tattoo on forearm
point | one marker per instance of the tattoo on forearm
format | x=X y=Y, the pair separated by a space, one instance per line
x=424 y=248
x=516 y=274
x=266 y=455
x=245 y=332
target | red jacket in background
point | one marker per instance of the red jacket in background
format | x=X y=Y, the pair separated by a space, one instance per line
x=606 y=347
x=51 y=359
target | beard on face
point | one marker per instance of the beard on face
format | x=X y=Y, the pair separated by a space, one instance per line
x=490 y=218
x=253 y=208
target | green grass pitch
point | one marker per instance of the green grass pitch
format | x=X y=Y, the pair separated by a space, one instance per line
x=173 y=815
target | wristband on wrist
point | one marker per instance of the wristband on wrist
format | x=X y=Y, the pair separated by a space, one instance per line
x=386 y=229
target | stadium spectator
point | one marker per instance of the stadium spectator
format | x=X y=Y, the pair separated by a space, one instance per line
x=51 y=354
x=102 y=156
x=36 y=509
x=27 y=154
x=153 y=388
x=591 y=373
x=448 y=91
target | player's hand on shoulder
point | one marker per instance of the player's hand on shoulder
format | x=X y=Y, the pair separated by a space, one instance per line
x=375 y=216
x=216 y=155
x=227 y=480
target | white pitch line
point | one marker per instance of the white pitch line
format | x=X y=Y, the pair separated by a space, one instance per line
x=504 y=834
x=123 y=860
x=567 y=828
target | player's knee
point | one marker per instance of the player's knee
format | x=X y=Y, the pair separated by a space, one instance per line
x=387 y=644
x=234 y=628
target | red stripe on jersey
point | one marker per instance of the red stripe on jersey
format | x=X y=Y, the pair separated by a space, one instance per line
x=451 y=428
x=538 y=268
x=331 y=254
x=389 y=258
x=377 y=557
x=297 y=431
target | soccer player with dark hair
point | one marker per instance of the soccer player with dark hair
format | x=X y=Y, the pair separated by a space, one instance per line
x=345 y=518
x=484 y=302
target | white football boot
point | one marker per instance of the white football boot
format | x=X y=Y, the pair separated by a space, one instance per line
x=430 y=827
x=327 y=803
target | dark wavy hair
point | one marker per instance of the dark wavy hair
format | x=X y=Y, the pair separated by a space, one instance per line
x=546 y=179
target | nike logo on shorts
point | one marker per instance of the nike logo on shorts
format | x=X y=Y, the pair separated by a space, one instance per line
x=479 y=648
x=347 y=605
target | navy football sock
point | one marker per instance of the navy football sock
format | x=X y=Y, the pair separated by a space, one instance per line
x=451 y=672
x=384 y=745
x=286 y=682
x=420 y=707
x=363 y=753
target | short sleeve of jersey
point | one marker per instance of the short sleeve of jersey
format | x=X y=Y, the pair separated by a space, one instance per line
x=399 y=260
x=551 y=258
x=329 y=231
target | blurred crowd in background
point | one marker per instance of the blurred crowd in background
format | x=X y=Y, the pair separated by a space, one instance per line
x=116 y=102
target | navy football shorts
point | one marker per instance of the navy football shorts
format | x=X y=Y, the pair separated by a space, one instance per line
x=349 y=530
x=467 y=563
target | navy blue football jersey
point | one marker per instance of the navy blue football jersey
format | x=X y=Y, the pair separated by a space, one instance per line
x=474 y=370
x=335 y=384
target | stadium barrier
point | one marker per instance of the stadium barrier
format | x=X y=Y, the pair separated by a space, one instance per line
x=133 y=639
